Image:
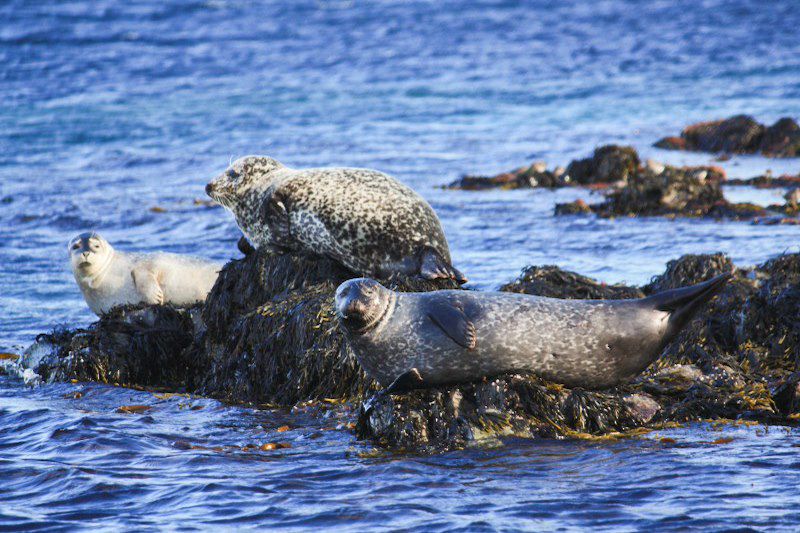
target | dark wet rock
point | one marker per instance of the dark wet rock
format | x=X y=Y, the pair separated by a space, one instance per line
x=740 y=134
x=675 y=192
x=767 y=181
x=688 y=191
x=143 y=346
x=553 y=282
x=689 y=270
x=535 y=175
x=578 y=207
x=608 y=164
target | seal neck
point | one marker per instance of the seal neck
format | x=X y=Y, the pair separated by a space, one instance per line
x=377 y=322
x=97 y=278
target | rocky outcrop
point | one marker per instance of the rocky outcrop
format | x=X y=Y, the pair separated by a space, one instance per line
x=610 y=164
x=740 y=134
x=267 y=335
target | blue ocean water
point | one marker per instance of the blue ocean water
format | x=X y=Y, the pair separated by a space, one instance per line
x=111 y=109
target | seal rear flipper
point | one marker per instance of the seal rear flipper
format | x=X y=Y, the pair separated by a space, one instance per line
x=407 y=381
x=682 y=303
x=433 y=266
x=147 y=285
x=454 y=323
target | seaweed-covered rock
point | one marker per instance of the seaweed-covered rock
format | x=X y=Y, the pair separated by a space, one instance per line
x=692 y=191
x=553 y=282
x=608 y=164
x=144 y=346
x=272 y=333
x=768 y=181
x=535 y=175
x=675 y=191
x=740 y=134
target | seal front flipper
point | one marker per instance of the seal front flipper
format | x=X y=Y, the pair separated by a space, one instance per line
x=407 y=381
x=433 y=266
x=276 y=215
x=454 y=323
x=147 y=285
x=244 y=246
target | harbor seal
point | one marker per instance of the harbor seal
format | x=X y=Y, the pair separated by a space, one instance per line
x=414 y=340
x=108 y=278
x=365 y=220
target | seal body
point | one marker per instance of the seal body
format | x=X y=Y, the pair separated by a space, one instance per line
x=108 y=278
x=364 y=219
x=456 y=336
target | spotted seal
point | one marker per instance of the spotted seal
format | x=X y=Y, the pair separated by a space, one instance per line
x=364 y=219
x=412 y=340
x=108 y=278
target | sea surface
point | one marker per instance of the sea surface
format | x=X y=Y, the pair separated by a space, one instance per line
x=114 y=115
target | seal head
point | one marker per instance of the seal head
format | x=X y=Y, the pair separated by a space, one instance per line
x=361 y=304
x=246 y=174
x=90 y=254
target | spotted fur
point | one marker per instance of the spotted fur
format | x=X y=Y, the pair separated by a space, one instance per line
x=366 y=220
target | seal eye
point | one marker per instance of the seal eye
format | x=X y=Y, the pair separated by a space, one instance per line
x=232 y=174
x=76 y=246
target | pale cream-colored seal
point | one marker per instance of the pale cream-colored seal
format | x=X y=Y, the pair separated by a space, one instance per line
x=108 y=278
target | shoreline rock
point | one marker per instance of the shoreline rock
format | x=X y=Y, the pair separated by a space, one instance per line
x=740 y=134
x=267 y=336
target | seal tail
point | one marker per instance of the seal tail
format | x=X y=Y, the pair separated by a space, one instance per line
x=682 y=303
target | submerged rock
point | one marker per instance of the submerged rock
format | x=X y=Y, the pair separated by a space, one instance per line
x=740 y=134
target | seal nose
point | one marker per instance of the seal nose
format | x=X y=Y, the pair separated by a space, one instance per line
x=209 y=188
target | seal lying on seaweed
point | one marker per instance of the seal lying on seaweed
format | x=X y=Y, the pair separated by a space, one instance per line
x=367 y=221
x=413 y=340
x=109 y=278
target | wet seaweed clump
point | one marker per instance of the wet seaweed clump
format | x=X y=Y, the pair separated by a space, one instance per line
x=139 y=346
x=740 y=134
x=664 y=190
x=608 y=165
x=768 y=181
x=738 y=359
x=532 y=176
x=553 y=282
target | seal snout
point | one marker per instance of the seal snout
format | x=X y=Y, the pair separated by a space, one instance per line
x=210 y=188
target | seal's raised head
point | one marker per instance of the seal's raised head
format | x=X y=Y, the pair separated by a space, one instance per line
x=244 y=174
x=361 y=304
x=89 y=253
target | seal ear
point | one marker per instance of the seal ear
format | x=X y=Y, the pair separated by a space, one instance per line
x=432 y=266
x=455 y=324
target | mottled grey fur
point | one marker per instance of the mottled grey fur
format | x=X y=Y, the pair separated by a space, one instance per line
x=366 y=220
x=456 y=336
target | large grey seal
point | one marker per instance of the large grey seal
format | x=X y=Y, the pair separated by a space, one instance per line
x=412 y=340
x=364 y=219
x=108 y=278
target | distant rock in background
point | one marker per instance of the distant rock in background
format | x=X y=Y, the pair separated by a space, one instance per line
x=610 y=164
x=740 y=134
